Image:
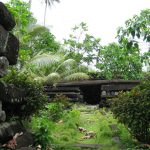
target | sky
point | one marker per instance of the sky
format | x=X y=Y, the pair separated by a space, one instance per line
x=103 y=17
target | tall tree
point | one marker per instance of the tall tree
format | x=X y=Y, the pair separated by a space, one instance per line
x=48 y=3
x=136 y=33
x=30 y=3
x=39 y=38
x=81 y=46
x=23 y=17
x=119 y=62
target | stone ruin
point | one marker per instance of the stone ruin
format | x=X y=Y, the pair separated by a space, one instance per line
x=9 y=95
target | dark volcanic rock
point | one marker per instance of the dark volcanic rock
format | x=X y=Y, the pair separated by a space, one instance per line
x=3 y=66
x=2 y=113
x=12 y=49
x=8 y=130
x=26 y=148
x=6 y=19
x=3 y=40
x=25 y=140
x=9 y=46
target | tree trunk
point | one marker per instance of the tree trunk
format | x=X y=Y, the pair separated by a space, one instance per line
x=45 y=14
x=30 y=3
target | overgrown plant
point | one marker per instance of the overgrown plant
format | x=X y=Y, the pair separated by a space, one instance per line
x=34 y=96
x=133 y=109
x=52 y=68
x=42 y=128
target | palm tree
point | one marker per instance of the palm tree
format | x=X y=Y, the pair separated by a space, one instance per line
x=30 y=2
x=52 y=68
x=48 y=3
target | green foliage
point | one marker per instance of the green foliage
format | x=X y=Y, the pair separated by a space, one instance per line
x=72 y=118
x=136 y=29
x=124 y=60
x=81 y=46
x=54 y=111
x=108 y=127
x=34 y=96
x=117 y=62
x=77 y=76
x=39 y=38
x=31 y=36
x=132 y=109
x=96 y=75
x=65 y=133
x=24 y=56
x=22 y=15
x=63 y=100
x=55 y=134
x=42 y=128
x=52 y=68
x=52 y=78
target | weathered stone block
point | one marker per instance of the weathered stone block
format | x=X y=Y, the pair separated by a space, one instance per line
x=3 y=66
x=25 y=140
x=9 y=46
x=3 y=40
x=12 y=49
x=2 y=116
x=6 y=19
x=3 y=87
x=8 y=130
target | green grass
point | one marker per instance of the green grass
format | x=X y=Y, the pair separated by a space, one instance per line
x=65 y=133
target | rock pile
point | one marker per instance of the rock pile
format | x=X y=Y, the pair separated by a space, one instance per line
x=9 y=47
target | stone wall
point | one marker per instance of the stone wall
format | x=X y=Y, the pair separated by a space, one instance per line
x=9 y=46
x=11 y=98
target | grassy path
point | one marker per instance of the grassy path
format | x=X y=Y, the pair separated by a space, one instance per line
x=108 y=133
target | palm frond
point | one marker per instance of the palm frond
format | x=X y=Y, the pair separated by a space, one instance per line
x=76 y=69
x=66 y=65
x=51 y=2
x=52 y=78
x=45 y=60
x=40 y=80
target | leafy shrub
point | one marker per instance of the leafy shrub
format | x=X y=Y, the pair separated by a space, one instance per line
x=133 y=109
x=65 y=134
x=54 y=111
x=72 y=118
x=42 y=128
x=49 y=133
x=107 y=128
x=77 y=76
x=34 y=96
x=95 y=75
x=62 y=100
x=52 y=78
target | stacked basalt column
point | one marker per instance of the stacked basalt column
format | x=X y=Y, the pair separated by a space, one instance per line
x=9 y=46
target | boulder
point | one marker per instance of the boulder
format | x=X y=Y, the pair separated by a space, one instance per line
x=8 y=130
x=3 y=66
x=12 y=49
x=9 y=46
x=6 y=19
x=25 y=140
x=2 y=113
x=3 y=40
